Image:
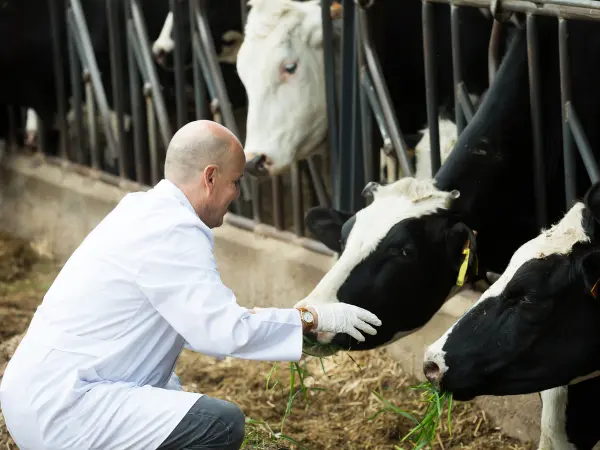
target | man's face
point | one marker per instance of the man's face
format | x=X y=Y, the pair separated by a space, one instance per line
x=226 y=187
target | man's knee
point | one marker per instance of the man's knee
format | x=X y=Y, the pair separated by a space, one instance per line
x=233 y=416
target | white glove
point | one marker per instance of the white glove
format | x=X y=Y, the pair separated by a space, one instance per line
x=345 y=318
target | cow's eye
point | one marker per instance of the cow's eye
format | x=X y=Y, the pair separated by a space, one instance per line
x=290 y=67
x=395 y=251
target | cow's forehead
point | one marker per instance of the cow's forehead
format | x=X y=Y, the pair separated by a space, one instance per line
x=557 y=240
x=405 y=199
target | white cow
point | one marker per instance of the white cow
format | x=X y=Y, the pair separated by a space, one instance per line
x=281 y=66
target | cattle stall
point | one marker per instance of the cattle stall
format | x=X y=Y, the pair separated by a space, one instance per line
x=139 y=103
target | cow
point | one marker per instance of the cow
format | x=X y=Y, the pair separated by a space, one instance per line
x=280 y=63
x=535 y=329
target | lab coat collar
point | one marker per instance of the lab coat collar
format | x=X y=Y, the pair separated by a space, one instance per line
x=170 y=189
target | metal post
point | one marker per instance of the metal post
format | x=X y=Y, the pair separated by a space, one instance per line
x=431 y=84
x=177 y=10
x=536 y=122
x=565 y=91
x=457 y=67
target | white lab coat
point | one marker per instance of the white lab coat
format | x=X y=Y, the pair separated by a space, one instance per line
x=95 y=369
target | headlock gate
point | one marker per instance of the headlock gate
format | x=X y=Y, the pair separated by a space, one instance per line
x=147 y=101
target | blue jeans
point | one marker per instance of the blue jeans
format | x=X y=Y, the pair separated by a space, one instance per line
x=210 y=424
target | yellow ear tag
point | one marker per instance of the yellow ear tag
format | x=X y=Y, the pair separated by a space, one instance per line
x=594 y=290
x=465 y=264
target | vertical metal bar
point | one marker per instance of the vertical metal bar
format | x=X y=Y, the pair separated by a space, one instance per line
x=116 y=70
x=431 y=84
x=366 y=122
x=243 y=12
x=297 y=199
x=200 y=89
x=343 y=197
x=157 y=97
x=456 y=67
x=140 y=156
x=178 y=54
x=357 y=180
x=317 y=181
x=565 y=91
x=331 y=91
x=75 y=75
x=384 y=97
x=91 y=117
x=539 y=184
x=84 y=43
x=585 y=150
x=151 y=124
x=217 y=77
x=277 y=188
x=493 y=51
x=58 y=63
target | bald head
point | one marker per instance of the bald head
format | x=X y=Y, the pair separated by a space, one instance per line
x=197 y=145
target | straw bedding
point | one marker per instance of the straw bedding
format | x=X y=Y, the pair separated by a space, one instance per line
x=337 y=417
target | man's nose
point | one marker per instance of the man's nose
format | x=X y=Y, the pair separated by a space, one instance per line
x=432 y=372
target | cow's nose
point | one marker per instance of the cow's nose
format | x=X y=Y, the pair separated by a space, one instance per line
x=432 y=372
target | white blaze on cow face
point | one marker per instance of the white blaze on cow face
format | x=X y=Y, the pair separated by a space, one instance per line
x=404 y=199
x=280 y=64
x=558 y=240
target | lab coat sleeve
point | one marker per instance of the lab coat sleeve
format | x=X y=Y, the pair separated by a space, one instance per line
x=180 y=279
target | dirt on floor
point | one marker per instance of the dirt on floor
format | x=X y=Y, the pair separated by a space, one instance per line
x=340 y=389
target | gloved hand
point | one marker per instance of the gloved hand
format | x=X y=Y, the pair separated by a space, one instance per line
x=345 y=318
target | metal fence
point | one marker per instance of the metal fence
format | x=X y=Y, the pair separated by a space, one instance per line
x=359 y=102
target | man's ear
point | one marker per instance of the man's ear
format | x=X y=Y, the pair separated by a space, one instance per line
x=589 y=270
x=457 y=238
x=326 y=225
x=209 y=175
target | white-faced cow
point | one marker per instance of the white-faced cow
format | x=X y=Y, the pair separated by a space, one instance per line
x=281 y=65
x=536 y=328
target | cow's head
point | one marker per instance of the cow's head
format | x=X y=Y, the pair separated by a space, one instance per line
x=400 y=258
x=538 y=326
x=280 y=64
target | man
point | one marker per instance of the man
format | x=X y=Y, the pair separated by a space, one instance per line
x=95 y=368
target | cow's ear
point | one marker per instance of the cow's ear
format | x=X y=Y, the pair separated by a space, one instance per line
x=589 y=271
x=459 y=238
x=326 y=225
x=592 y=201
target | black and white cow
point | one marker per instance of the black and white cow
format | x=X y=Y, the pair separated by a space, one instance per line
x=536 y=329
x=280 y=63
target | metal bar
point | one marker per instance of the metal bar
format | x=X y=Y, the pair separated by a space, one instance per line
x=269 y=231
x=178 y=56
x=256 y=200
x=116 y=71
x=565 y=94
x=158 y=100
x=369 y=91
x=493 y=51
x=277 y=188
x=75 y=75
x=91 y=119
x=216 y=75
x=431 y=85
x=297 y=199
x=523 y=6
x=330 y=89
x=357 y=179
x=366 y=123
x=459 y=118
x=140 y=156
x=536 y=122
x=343 y=190
x=318 y=183
x=244 y=12
x=151 y=124
x=465 y=102
x=585 y=149
x=82 y=37
x=58 y=64
x=199 y=82
x=384 y=96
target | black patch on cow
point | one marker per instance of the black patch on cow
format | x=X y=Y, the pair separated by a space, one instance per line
x=541 y=332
